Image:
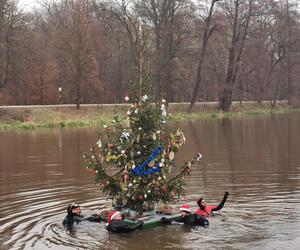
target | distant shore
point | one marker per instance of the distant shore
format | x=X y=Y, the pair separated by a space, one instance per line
x=92 y=115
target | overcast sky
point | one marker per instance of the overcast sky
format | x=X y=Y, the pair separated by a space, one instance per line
x=28 y=4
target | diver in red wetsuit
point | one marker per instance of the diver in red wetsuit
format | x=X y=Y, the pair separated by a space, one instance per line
x=206 y=210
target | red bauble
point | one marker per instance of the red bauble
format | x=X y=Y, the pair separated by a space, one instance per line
x=141 y=197
x=103 y=184
x=92 y=172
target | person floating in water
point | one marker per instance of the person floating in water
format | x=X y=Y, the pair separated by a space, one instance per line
x=74 y=216
x=207 y=210
x=187 y=218
x=116 y=223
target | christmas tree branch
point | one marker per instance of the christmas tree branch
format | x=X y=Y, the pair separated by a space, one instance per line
x=179 y=174
x=119 y=172
x=185 y=169
x=101 y=167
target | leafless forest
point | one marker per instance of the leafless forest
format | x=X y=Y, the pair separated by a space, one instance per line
x=90 y=51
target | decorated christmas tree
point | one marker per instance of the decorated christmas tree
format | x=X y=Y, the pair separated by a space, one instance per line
x=133 y=161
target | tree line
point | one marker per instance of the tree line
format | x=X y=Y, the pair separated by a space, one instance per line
x=91 y=51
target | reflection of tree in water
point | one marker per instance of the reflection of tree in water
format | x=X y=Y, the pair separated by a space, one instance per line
x=194 y=132
x=226 y=131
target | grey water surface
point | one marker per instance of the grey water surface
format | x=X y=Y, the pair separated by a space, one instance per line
x=256 y=159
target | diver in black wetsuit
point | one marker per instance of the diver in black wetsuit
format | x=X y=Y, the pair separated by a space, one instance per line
x=188 y=218
x=74 y=216
x=116 y=223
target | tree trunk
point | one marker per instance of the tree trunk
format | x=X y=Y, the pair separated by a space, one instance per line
x=235 y=55
x=140 y=207
x=207 y=32
x=290 y=84
x=78 y=90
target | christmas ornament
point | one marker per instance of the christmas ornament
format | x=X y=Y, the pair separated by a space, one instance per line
x=145 y=98
x=199 y=157
x=125 y=136
x=124 y=201
x=163 y=110
x=171 y=156
x=99 y=143
x=151 y=164
x=154 y=136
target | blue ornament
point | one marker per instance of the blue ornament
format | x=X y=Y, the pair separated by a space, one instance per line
x=139 y=170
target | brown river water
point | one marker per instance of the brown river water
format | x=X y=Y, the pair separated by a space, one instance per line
x=256 y=159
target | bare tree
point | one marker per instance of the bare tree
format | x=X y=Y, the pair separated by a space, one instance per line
x=239 y=13
x=136 y=31
x=9 y=21
x=169 y=31
x=208 y=29
x=72 y=38
x=249 y=50
x=291 y=29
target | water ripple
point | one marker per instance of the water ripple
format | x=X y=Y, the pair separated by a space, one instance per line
x=259 y=167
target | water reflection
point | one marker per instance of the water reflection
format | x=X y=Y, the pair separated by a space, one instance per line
x=256 y=159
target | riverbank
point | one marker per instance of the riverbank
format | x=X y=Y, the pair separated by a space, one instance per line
x=58 y=116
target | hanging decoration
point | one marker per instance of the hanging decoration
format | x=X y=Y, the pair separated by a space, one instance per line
x=139 y=170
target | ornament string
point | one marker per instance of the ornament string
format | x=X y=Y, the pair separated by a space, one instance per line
x=139 y=170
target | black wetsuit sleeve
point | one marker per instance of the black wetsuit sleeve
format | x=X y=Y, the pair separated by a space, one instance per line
x=165 y=220
x=221 y=203
x=190 y=220
x=123 y=226
x=179 y=219
x=93 y=218
x=78 y=218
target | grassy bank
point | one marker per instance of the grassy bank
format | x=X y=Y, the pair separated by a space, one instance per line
x=25 y=118
x=56 y=117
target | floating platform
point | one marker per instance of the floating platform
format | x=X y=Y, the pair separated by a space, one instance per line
x=152 y=220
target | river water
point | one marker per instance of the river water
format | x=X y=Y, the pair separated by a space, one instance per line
x=256 y=159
